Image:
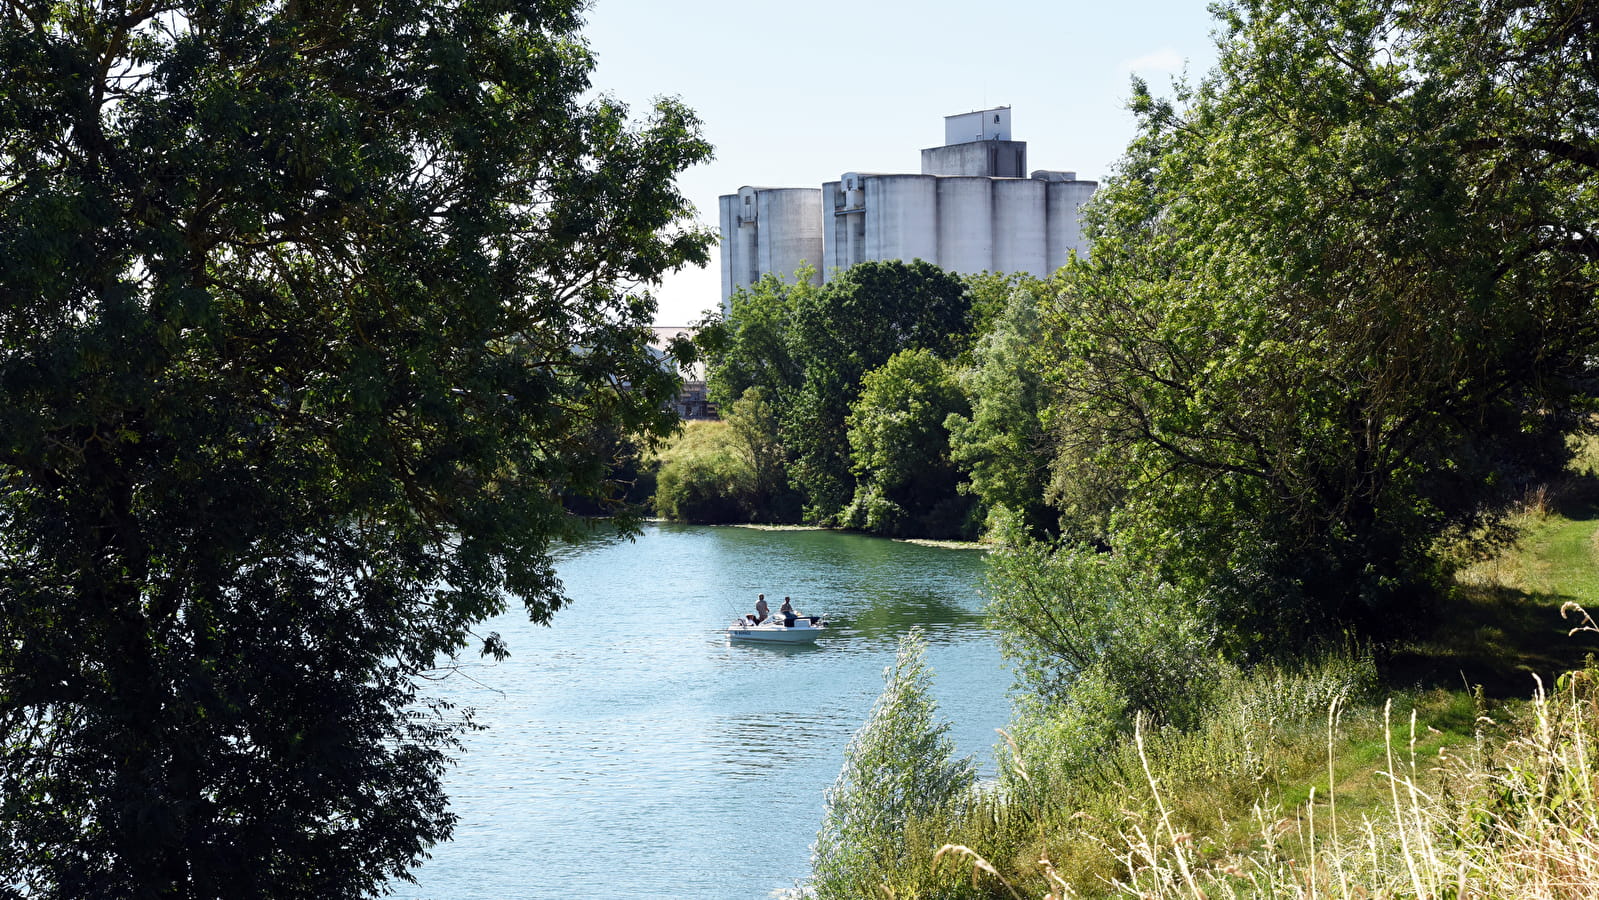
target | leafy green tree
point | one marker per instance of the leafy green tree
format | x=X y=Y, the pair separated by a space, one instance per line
x=756 y=433
x=899 y=450
x=901 y=765
x=1075 y=623
x=754 y=348
x=727 y=471
x=1002 y=447
x=309 y=316
x=991 y=297
x=849 y=327
x=1340 y=305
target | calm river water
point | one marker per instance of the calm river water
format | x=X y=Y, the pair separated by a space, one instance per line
x=632 y=751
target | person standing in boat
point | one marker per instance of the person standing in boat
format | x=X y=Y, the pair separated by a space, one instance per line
x=761 y=610
x=787 y=609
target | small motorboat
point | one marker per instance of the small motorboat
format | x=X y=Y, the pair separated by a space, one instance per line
x=804 y=630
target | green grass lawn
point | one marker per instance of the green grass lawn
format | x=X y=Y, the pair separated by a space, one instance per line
x=1567 y=559
x=1502 y=625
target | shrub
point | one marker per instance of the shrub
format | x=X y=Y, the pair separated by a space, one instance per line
x=1077 y=624
x=900 y=768
x=702 y=478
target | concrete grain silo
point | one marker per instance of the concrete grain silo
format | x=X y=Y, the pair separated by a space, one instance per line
x=965 y=224
x=970 y=210
x=843 y=223
x=1020 y=210
x=901 y=217
x=769 y=230
x=1066 y=198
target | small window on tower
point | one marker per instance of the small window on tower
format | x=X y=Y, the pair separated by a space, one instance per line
x=746 y=201
x=996 y=118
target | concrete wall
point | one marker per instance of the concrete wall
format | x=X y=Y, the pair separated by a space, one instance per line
x=1020 y=245
x=965 y=225
x=1065 y=204
x=768 y=230
x=790 y=230
x=727 y=226
x=740 y=229
x=835 y=231
x=999 y=159
x=844 y=223
x=979 y=125
x=901 y=217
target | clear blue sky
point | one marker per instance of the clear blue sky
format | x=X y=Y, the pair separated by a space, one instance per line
x=795 y=94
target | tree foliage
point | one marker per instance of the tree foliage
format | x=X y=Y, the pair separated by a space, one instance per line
x=1081 y=628
x=704 y=478
x=757 y=438
x=308 y=318
x=849 y=327
x=1002 y=447
x=727 y=471
x=1341 y=304
x=755 y=348
x=899 y=450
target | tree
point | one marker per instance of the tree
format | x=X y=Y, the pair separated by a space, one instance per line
x=901 y=765
x=899 y=450
x=806 y=349
x=308 y=318
x=991 y=297
x=849 y=327
x=756 y=433
x=754 y=349
x=1340 y=306
x=1089 y=633
x=1002 y=447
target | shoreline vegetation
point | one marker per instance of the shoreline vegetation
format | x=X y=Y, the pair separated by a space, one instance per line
x=944 y=545
x=1462 y=764
x=920 y=542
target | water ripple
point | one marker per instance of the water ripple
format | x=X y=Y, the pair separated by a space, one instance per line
x=633 y=751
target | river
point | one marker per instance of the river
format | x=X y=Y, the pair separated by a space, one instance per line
x=633 y=751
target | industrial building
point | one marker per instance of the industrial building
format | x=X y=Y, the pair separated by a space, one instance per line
x=970 y=210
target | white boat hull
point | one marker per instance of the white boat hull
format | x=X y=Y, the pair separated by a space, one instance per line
x=801 y=632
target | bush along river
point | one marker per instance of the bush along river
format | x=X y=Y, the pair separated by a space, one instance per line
x=632 y=750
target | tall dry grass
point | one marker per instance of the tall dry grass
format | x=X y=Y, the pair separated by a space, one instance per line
x=1517 y=820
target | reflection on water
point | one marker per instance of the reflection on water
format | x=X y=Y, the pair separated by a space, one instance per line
x=633 y=751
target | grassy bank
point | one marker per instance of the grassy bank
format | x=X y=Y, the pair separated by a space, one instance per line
x=1460 y=765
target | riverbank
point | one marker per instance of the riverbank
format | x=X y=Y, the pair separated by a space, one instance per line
x=920 y=542
x=945 y=545
x=1460 y=764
